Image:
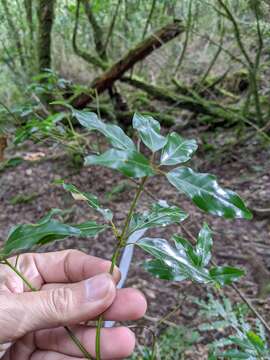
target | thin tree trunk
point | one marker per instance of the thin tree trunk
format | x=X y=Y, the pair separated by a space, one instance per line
x=45 y=14
x=14 y=32
x=149 y=18
x=29 y=17
x=98 y=32
x=90 y=58
x=111 y=28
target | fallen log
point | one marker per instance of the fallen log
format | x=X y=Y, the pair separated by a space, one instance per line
x=138 y=53
x=192 y=102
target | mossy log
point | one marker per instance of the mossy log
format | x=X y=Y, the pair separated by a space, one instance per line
x=125 y=63
x=192 y=102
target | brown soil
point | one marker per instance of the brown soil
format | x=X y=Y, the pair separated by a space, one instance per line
x=246 y=170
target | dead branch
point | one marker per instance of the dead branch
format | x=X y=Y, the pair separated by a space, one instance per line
x=138 y=53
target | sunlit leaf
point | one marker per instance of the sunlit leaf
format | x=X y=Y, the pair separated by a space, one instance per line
x=149 y=131
x=129 y=163
x=172 y=258
x=204 y=245
x=91 y=199
x=160 y=214
x=225 y=274
x=185 y=248
x=185 y=261
x=113 y=133
x=25 y=236
x=205 y=192
x=177 y=150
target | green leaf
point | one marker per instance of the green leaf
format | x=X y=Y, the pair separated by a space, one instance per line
x=113 y=133
x=162 y=271
x=160 y=214
x=205 y=192
x=10 y=163
x=177 y=150
x=225 y=275
x=176 y=260
x=204 y=245
x=89 y=228
x=91 y=199
x=256 y=340
x=149 y=131
x=129 y=163
x=25 y=236
x=184 y=246
x=234 y=354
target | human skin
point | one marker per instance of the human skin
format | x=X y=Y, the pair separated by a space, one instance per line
x=73 y=288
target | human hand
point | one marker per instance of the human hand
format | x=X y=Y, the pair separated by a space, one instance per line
x=73 y=288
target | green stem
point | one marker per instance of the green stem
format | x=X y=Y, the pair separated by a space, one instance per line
x=21 y=276
x=77 y=342
x=121 y=242
x=132 y=208
x=72 y=336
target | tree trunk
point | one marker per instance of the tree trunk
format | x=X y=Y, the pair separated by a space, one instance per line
x=45 y=14
x=14 y=32
x=29 y=17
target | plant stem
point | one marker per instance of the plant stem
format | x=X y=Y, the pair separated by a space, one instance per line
x=132 y=208
x=72 y=336
x=121 y=242
x=20 y=275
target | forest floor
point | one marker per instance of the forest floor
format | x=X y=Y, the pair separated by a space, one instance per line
x=27 y=193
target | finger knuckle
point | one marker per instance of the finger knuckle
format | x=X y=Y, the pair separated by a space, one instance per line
x=62 y=302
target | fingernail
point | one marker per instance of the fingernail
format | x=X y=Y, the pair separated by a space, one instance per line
x=98 y=287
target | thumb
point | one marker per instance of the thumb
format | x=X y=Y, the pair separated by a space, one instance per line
x=54 y=307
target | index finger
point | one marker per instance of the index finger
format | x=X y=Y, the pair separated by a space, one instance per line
x=65 y=266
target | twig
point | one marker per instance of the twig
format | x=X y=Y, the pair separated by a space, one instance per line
x=183 y=52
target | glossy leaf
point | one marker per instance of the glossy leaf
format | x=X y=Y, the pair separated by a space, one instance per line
x=185 y=248
x=172 y=258
x=129 y=163
x=162 y=271
x=185 y=261
x=160 y=214
x=225 y=275
x=149 y=131
x=25 y=236
x=91 y=199
x=177 y=150
x=113 y=133
x=204 y=245
x=205 y=192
